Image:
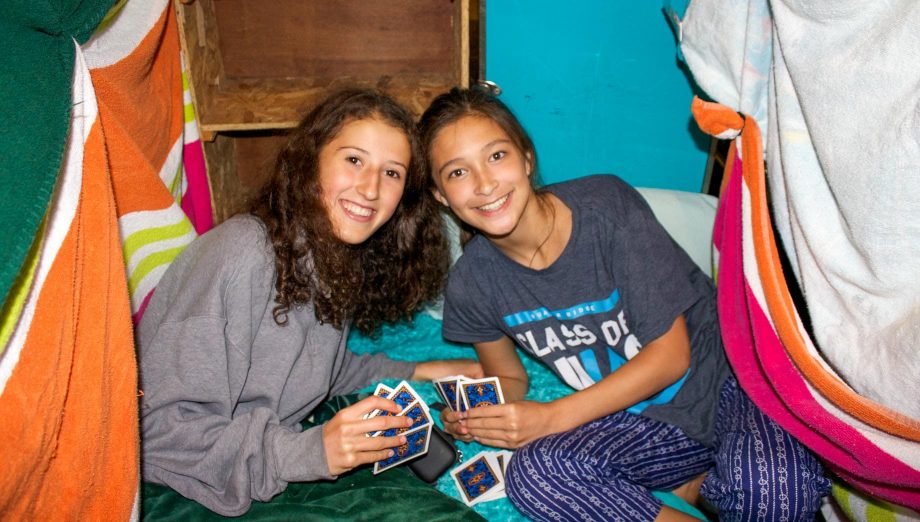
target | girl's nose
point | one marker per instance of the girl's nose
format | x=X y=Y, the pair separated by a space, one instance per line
x=368 y=185
x=485 y=185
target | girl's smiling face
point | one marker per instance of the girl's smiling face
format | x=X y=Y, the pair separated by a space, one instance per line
x=362 y=174
x=482 y=175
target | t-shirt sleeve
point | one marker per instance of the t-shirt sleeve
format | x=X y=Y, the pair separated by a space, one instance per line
x=656 y=272
x=468 y=317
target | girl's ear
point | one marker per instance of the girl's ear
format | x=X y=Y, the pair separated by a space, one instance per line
x=529 y=156
x=440 y=197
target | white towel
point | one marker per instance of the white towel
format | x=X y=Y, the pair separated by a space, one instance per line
x=840 y=81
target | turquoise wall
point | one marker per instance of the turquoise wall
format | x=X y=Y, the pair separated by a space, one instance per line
x=599 y=87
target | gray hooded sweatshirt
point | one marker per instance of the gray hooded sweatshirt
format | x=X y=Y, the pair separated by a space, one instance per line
x=225 y=387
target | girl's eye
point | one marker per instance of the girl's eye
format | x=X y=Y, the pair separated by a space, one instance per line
x=455 y=173
x=498 y=155
x=393 y=174
x=353 y=160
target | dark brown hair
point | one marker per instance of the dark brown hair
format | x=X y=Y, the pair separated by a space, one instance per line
x=458 y=103
x=387 y=277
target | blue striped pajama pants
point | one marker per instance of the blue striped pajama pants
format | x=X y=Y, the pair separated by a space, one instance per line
x=606 y=469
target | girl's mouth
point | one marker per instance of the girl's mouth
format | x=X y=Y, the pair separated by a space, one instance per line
x=496 y=205
x=356 y=211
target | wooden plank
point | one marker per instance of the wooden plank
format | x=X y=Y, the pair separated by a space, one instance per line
x=263 y=105
x=259 y=65
x=356 y=38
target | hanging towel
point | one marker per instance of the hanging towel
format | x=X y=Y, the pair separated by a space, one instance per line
x=865 y=443
x=107 y=163
x=68 y=384
x=842 y=92
x=155 y=151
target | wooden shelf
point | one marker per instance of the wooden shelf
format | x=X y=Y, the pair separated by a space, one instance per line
x=255 y=68
x=260 y=65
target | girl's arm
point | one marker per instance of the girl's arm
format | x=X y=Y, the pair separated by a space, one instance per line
x=428 y=370
x=358 y=371
x=500 y=359
x=658 y=365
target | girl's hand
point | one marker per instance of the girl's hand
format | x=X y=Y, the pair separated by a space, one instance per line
x=509 y=425
x=428 y=370
x=454 y=425
x=345 y=435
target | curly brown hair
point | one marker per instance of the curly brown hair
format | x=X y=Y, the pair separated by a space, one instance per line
x=387 y=277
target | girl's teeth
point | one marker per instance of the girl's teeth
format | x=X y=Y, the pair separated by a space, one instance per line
x=356 y=209
x=494 y=205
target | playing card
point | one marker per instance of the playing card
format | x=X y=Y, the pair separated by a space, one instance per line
x=476 y=479
x=447 y=389
x=404 y=395
x=382 y=390
x=504 y=460
x=495 y=459
x=416 y=445
x=481 y=392
x=417 y=412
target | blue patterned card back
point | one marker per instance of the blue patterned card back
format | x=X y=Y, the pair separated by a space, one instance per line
x=476 y=479
x=481 y=394
x=415 y=446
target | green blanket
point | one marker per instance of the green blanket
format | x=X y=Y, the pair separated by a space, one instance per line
x=360 y=495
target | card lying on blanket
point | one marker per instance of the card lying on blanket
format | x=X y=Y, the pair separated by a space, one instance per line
x=461 y=393
x=482 y=478
x=417 y=434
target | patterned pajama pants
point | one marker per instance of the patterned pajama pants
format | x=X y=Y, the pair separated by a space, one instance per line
x=605 y=469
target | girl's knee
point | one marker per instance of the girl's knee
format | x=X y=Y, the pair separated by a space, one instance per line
x=767 y=489
x=521 y=479
x=520 y=472
x=534 y=468
x=764 y=503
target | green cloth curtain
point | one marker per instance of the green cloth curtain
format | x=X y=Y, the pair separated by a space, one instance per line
x=36 y=70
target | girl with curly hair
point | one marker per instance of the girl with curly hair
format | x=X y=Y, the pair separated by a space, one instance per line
x=246 y=332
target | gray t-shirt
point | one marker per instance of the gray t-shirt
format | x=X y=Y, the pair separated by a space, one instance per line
x=619 y=284
x=225 y=387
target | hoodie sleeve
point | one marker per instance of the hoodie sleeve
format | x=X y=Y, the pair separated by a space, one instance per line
x=194 y=364
x=358 y=371
x=191 y=440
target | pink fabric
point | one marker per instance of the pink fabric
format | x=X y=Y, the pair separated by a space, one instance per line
x=773 y=382
x=140 y=311
x=196 y=203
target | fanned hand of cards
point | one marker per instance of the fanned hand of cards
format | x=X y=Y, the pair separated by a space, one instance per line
x=417 y=435
x=461 y=393
x=482 y=478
